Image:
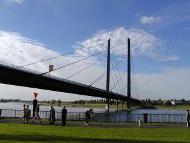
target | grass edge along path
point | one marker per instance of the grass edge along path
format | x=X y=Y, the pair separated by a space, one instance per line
x=57 y=134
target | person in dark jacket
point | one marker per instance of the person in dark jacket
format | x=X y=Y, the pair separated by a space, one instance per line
x=52 y=116
x=64 y=116
x=28 y=113
x=24 y=114
x=88 y=114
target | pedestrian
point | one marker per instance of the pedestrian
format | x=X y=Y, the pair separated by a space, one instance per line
x=52 y=115
x=188 y=118
x=64 y=116
x=88 y=115
x=24 y=114
x=37 y=116
x=28 y=113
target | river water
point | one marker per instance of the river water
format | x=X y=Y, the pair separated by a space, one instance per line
x=19 y=106
x=154 y=115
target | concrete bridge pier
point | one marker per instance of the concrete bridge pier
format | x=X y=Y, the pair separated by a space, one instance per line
x=117 y=104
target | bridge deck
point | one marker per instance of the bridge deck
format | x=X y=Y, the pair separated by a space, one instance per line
x=13 y=76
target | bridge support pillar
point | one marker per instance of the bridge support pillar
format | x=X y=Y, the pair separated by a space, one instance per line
x=108 y=76
x=107 y=104
x=128 y=105
x=129 y=75
x=117 y=104
x=122 y=103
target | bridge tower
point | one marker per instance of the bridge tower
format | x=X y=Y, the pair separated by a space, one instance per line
x=108 y=76
x=129 y=74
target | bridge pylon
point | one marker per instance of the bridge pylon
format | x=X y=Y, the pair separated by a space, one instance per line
x=129 y=74
x=108 y=76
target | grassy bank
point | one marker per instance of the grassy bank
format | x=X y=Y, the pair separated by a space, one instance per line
x=38 y=133
x=185 y=107
x=180 y=107
x=102 y=106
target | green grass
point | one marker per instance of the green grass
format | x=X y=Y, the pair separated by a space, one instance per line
x=57 y=134
x=185 y=107
x=89 y=105
x=180 y=107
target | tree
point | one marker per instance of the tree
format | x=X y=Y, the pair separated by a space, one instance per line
x=59 y=102
x=53 y=101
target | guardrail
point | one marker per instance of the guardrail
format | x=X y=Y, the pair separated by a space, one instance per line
x=43 y=114
x=151 y=118
x=104 y=117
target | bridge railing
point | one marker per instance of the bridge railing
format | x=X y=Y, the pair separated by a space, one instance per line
x=103 y=117
x=43 y=114
x=151 y=118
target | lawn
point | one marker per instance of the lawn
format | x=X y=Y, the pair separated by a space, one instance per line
x=184 y=107
x=57 y=134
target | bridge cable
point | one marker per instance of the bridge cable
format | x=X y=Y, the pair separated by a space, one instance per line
x=117 y=83
x=97 y=79
x=117 y=68
x=113 y=83
x=103 y=74
x=71 y=63
x=55 y=57
x=135 y=79
x=83 y=69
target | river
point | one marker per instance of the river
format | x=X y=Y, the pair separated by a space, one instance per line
x=19 y=106
x=154 y=115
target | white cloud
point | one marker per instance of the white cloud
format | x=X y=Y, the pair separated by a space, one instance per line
x=15 y=1
x=149 y=19
x=18 y=50
x=142 y=43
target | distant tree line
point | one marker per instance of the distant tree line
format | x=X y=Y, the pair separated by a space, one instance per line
x=98 y=101
x=9 y=100
x=165 y=102
x=58 y=102
x=146 y=102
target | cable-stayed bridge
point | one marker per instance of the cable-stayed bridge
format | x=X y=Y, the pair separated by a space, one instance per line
x=27 y=78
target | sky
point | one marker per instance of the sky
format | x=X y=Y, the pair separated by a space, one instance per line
x=31 y=30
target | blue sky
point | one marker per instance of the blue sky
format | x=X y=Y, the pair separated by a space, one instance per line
x=60 y=24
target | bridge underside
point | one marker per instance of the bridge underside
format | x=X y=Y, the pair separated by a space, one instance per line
x=13 y=76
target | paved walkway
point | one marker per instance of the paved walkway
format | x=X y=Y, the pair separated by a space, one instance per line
x=97 y=124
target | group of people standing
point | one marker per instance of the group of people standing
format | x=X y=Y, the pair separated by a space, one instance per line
x=52 y=116
x=26 y=114
x=36 y=116
x=88 y=115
